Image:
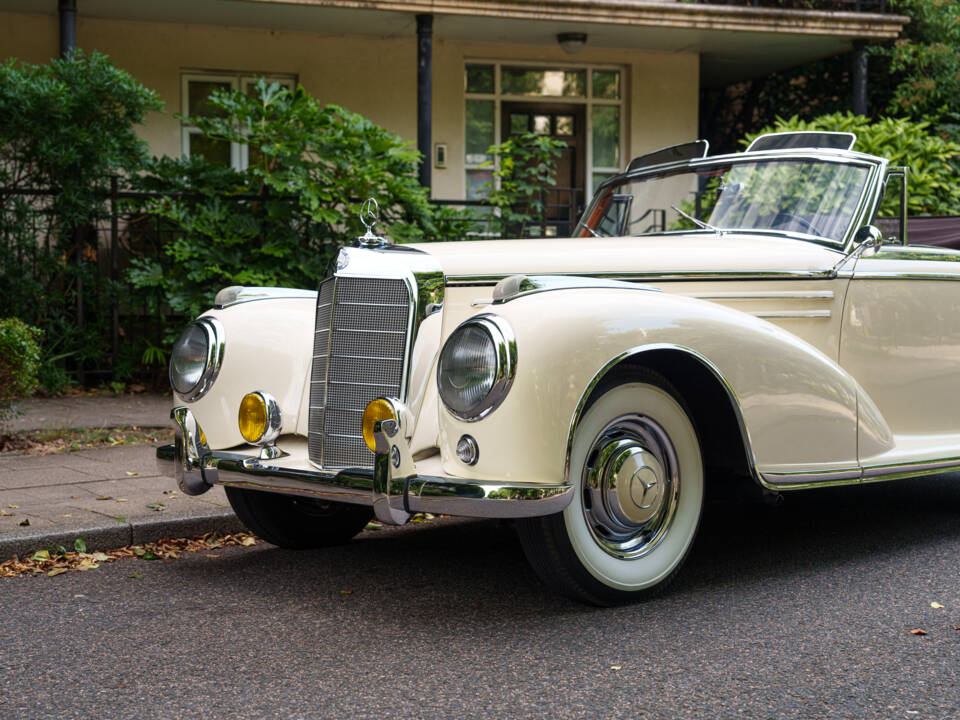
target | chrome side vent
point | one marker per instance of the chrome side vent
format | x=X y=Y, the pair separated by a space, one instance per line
x=360 y=347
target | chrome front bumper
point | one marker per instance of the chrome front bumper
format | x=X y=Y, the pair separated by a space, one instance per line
x=393 y=487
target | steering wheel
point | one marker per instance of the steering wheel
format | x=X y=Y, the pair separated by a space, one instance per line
x=785 y=218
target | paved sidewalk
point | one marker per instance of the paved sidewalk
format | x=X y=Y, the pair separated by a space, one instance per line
x=111 y=496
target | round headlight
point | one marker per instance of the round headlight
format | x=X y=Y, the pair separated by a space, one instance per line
x=476 y=367
x=196 y=357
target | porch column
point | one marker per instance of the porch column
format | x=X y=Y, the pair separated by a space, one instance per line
x=68 y=26
x=859 y=77
x=424 y=94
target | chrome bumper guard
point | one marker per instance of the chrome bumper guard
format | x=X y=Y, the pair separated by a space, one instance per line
x=392 y=487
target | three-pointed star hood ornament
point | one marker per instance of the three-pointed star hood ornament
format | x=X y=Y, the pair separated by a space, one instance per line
x=370 y=216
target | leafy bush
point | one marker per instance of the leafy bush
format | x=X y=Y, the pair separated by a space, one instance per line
x=19 y=364
x=282 y=220
x=933 y=186
x=65 y=128
x=525 y=169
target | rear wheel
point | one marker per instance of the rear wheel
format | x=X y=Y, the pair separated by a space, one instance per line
x=297 y=523
x=637 y=462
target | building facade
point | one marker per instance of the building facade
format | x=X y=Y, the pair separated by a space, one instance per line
x=613 y=78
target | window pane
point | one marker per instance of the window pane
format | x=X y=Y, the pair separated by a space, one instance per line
x=541 y=124
x=198 y=91
x=480 y=79
x=476 y=180
x=548 y=83
x=519 y=123
x=216 y=151
x=606 y=136
x=599 y=177
x=606 y=84
x=565 y=125
x=479 y=130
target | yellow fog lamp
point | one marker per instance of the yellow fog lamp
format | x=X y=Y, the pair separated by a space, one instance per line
x=376 y=411
x=259 y=418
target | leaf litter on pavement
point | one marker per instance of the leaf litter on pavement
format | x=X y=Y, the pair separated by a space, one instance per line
x=57 y=560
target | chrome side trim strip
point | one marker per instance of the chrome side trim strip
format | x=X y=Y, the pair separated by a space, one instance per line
x=789 y=313
x=894 y=275
x=763 y=295
x=806 y=480
x=649 y=277
x=874 y=473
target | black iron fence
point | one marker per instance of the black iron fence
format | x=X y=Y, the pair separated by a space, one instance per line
x=73 y=284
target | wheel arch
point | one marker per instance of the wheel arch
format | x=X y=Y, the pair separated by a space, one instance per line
x=710 y=398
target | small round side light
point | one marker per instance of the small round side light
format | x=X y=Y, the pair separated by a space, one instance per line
x=259 y=418
x=376 y=411
x=467 y=450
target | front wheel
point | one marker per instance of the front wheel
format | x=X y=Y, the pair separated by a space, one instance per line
x=624 y=536
x=297 y=523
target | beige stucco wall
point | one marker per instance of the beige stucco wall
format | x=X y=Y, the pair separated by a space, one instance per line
x=372 y=76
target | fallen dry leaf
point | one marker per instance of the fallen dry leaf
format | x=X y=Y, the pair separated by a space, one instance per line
x=122 y=500
x=105 y=497
x=13 y=507
x=936 y=606
x=132 y=474
x=24 y=523
x=918 y=631
x=346 y=592
x=42 y=562
x=616 y=667
x=4 y=513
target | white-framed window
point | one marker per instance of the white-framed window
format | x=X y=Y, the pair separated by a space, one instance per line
x=599 y=88
x=195 y=88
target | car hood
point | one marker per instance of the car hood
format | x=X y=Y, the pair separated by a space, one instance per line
x=693 y=253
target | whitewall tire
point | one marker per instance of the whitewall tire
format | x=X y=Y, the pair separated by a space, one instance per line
x=637 y=465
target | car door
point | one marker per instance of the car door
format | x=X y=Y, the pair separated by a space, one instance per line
x=900 y=340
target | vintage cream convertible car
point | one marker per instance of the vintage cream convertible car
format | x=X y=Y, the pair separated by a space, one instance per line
x=715 y=319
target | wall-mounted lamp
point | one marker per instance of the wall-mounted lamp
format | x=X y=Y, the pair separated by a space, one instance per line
x=572 y=43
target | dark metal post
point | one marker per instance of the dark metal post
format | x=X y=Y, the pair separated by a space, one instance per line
x=859 y=77
x=424 y=95
x=68 y=26
x=114 y=236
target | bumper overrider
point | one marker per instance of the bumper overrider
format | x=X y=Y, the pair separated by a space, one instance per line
x=393 y=487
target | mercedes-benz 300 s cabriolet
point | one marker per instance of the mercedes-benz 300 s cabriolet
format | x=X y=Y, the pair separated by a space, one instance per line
x=754 y=316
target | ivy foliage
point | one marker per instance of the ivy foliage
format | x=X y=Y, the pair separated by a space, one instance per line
x=933 y=189
x=524 y=168
x=19 y=364
x=280 y=221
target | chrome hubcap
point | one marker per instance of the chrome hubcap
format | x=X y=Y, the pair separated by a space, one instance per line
x=630 y=486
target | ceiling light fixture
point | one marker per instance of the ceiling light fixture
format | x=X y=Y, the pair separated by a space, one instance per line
x=572 y=43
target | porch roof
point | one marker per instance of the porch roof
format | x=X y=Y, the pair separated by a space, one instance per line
x=734 y=42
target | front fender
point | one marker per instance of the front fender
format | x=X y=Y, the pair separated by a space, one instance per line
x=798 y=407
x=268 y=346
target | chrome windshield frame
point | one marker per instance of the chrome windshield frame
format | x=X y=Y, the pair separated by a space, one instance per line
x=866 y=205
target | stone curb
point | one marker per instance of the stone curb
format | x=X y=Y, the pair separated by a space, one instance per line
x=107 y=536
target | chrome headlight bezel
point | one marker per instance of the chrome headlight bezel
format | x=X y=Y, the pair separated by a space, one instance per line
x=505 y=350
x=215 y=340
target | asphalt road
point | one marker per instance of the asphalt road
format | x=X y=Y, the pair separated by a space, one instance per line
x=799 y=611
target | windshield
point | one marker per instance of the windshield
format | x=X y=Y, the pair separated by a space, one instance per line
x=812 y=197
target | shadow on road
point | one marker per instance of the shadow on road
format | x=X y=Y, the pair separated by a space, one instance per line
x=451 y=568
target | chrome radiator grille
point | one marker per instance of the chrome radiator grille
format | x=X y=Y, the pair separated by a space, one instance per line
x=359 y=354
